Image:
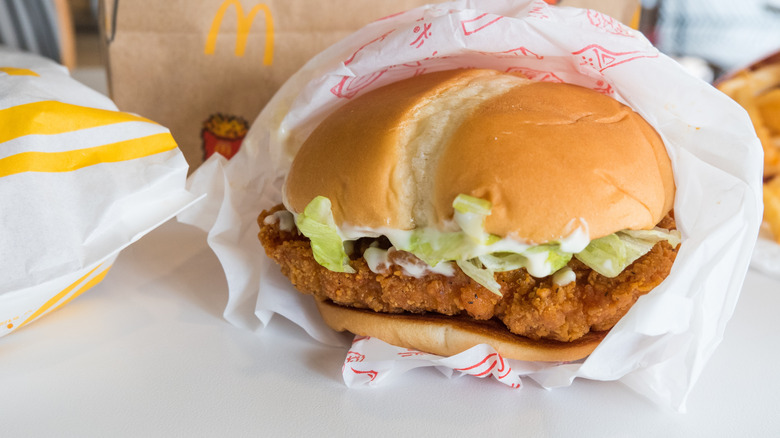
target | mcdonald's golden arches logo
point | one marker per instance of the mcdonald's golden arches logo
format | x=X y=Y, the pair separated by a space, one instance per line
x=244 y=24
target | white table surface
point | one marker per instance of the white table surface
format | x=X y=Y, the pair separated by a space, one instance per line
x=147 y=353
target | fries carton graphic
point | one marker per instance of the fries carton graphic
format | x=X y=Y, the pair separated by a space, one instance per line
x=223 y=134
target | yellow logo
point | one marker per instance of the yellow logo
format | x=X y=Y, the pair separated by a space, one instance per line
x=244 y=24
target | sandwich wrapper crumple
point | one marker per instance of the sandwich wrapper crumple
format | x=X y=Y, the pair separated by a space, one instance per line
x=660 y=347
x=79 y=181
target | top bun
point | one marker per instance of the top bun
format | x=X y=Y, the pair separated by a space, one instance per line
x=548 y=156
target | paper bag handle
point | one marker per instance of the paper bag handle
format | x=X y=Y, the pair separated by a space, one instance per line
x=108 y=26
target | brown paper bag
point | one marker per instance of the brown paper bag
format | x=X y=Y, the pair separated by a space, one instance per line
x=206 y=68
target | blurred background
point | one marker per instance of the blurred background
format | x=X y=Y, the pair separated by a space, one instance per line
x=710 y=37
x=713 y=36
x=63 y=30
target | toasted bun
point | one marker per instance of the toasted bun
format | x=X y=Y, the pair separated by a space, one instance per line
x=546 y=155
x=448 y=335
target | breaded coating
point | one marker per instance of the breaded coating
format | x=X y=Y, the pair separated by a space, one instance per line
x=531 y=307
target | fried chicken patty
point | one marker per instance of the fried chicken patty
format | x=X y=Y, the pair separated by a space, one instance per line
x=532 y=307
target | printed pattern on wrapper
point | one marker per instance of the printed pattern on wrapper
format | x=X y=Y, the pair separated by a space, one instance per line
x=44 y=299
x=423 y=36
x=716 y=159
x=369 y=361
x=420 y=41
x=79 y=179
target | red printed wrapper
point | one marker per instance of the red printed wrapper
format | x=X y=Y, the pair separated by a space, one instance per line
x=661 y=345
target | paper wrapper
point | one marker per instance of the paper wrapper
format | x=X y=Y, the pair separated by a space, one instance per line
x=661 y=345
x=79 y=181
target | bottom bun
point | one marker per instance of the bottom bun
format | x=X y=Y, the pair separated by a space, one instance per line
x=449 y=335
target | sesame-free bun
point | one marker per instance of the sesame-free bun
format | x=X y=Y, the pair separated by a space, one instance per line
x=548 y=156
x=449 y=335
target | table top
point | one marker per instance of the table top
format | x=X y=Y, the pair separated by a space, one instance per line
x=147 y=353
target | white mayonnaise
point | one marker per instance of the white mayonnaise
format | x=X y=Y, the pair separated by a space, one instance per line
x=606 y=266
x=538 y=266
x=285 y=219
x=378 y=261
x=564 y=276
x=573 y=243
x=578 y=240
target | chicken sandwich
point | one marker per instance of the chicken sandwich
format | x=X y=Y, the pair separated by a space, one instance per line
x=474 y=206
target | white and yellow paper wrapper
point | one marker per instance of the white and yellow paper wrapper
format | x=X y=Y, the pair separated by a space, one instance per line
x=660 y=347
x=79 y=181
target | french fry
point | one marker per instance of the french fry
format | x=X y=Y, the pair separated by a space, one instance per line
x=769 y=106
x=772 y=207
x=758 y=91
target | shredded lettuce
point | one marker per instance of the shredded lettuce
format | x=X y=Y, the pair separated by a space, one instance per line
x=610 y=255
x=470 y=214
x=484 y=276
x=433 y=246
x=317 y=223
x=478 y=253
x=539 y=261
